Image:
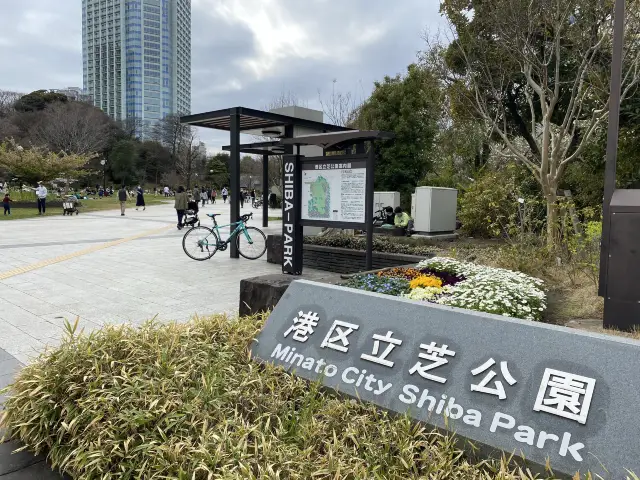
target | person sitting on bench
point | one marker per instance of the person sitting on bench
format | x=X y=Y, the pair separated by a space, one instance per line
x=389 y=217
x=404 y=221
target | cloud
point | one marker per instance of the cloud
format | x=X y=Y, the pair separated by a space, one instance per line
x=244 y=52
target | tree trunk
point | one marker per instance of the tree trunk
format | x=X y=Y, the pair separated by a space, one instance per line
x=552 y=220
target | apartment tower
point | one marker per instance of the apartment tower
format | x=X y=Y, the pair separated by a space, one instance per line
x=137 y=57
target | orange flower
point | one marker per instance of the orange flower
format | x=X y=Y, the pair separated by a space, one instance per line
x=399 y=272
x=425 y=281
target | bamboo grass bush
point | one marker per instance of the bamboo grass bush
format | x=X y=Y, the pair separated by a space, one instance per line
x=184 y=401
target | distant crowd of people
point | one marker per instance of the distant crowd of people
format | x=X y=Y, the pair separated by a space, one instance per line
x=200 y=195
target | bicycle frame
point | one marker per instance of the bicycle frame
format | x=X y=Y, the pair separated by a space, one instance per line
x=241 y=227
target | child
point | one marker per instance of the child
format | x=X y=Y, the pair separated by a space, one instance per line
x=6 y=203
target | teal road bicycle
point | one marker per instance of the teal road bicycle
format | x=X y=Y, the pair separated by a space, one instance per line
x=202 y=243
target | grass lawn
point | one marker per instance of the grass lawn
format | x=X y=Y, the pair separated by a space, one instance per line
x=109 y=203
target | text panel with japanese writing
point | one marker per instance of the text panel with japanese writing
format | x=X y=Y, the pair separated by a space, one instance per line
x=536 y=390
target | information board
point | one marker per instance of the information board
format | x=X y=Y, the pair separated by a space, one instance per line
x=541 y=392
x=334 y=191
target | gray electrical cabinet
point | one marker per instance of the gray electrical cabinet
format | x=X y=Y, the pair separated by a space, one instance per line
x=434 y=209
x=622 y=295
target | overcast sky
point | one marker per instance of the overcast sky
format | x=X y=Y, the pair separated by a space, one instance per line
x=244 y=52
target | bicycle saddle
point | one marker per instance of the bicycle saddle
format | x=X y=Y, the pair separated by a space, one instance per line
x=213 y=215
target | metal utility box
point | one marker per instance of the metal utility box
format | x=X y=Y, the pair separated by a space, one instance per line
x=622 y=295
x=434 y=209
x=385 y=199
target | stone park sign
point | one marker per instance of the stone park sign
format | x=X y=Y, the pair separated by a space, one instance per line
x=539 y=391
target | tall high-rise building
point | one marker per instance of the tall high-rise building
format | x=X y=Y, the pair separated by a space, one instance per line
x=137 y=57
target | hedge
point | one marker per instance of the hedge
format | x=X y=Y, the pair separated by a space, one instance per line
x=380 y=244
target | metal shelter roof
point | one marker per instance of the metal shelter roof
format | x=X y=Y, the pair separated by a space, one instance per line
x=259 y=148
x=251 y=119
x=336 y=139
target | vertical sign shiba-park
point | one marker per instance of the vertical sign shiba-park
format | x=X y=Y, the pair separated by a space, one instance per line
x=322 y=192
x=544 y=393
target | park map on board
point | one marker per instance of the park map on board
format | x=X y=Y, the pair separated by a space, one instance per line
x=334 y=194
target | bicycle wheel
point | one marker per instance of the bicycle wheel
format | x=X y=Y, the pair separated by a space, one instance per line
x=200 y=243
x=254 y=248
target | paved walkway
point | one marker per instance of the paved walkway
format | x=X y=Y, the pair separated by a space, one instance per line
x=105 y=268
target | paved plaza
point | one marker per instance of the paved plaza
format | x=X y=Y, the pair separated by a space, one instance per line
x=104 y=268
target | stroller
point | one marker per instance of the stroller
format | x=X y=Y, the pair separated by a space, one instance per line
x=191 y=215
x=70 y=205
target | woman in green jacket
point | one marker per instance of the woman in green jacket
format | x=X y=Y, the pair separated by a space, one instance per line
x=180 y=205
x=403 y=220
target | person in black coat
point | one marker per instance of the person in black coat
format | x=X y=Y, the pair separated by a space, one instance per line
x=140 y=198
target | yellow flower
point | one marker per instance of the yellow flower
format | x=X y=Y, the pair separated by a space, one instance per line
x=426 y=281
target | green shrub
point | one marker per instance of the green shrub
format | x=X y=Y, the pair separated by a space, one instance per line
x=500 y=203
x=585 y=251
x=184 y=401
x=487 y=205
x=404 y=246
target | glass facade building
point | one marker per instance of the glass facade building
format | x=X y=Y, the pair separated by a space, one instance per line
x=137 y=57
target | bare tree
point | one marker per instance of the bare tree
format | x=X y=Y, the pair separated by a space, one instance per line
x=174 y=135
x=8 y=129
x=540 y=80
x=189 y=156
x=72 y=127
x=132 y=127
x=284 y=99
x=7 y=100
x=340 y=108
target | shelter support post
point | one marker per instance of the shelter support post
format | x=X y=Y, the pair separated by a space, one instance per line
x=265 y=190
x=234 y=161
x=371 y=164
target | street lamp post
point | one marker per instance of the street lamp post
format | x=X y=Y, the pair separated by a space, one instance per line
x=621 y=307
x=103 y=162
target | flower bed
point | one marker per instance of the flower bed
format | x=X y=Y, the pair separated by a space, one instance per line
x=461 y=284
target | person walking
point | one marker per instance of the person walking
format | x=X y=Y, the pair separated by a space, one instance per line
x=140 y=199
x=253 y=197
x=122 y=197
x=204 y=196
x=166 y=190
x=214 y=194
x=225 y=194
x=6 y=203
x=41 y=193
x=180 y=204
x=196 y=194
x=241 y=199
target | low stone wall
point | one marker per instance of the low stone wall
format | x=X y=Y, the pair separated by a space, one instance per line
x=339 y=260
x=392 y=232
x=261 y=294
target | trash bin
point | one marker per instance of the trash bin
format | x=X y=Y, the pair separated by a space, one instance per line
x=622 y=295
